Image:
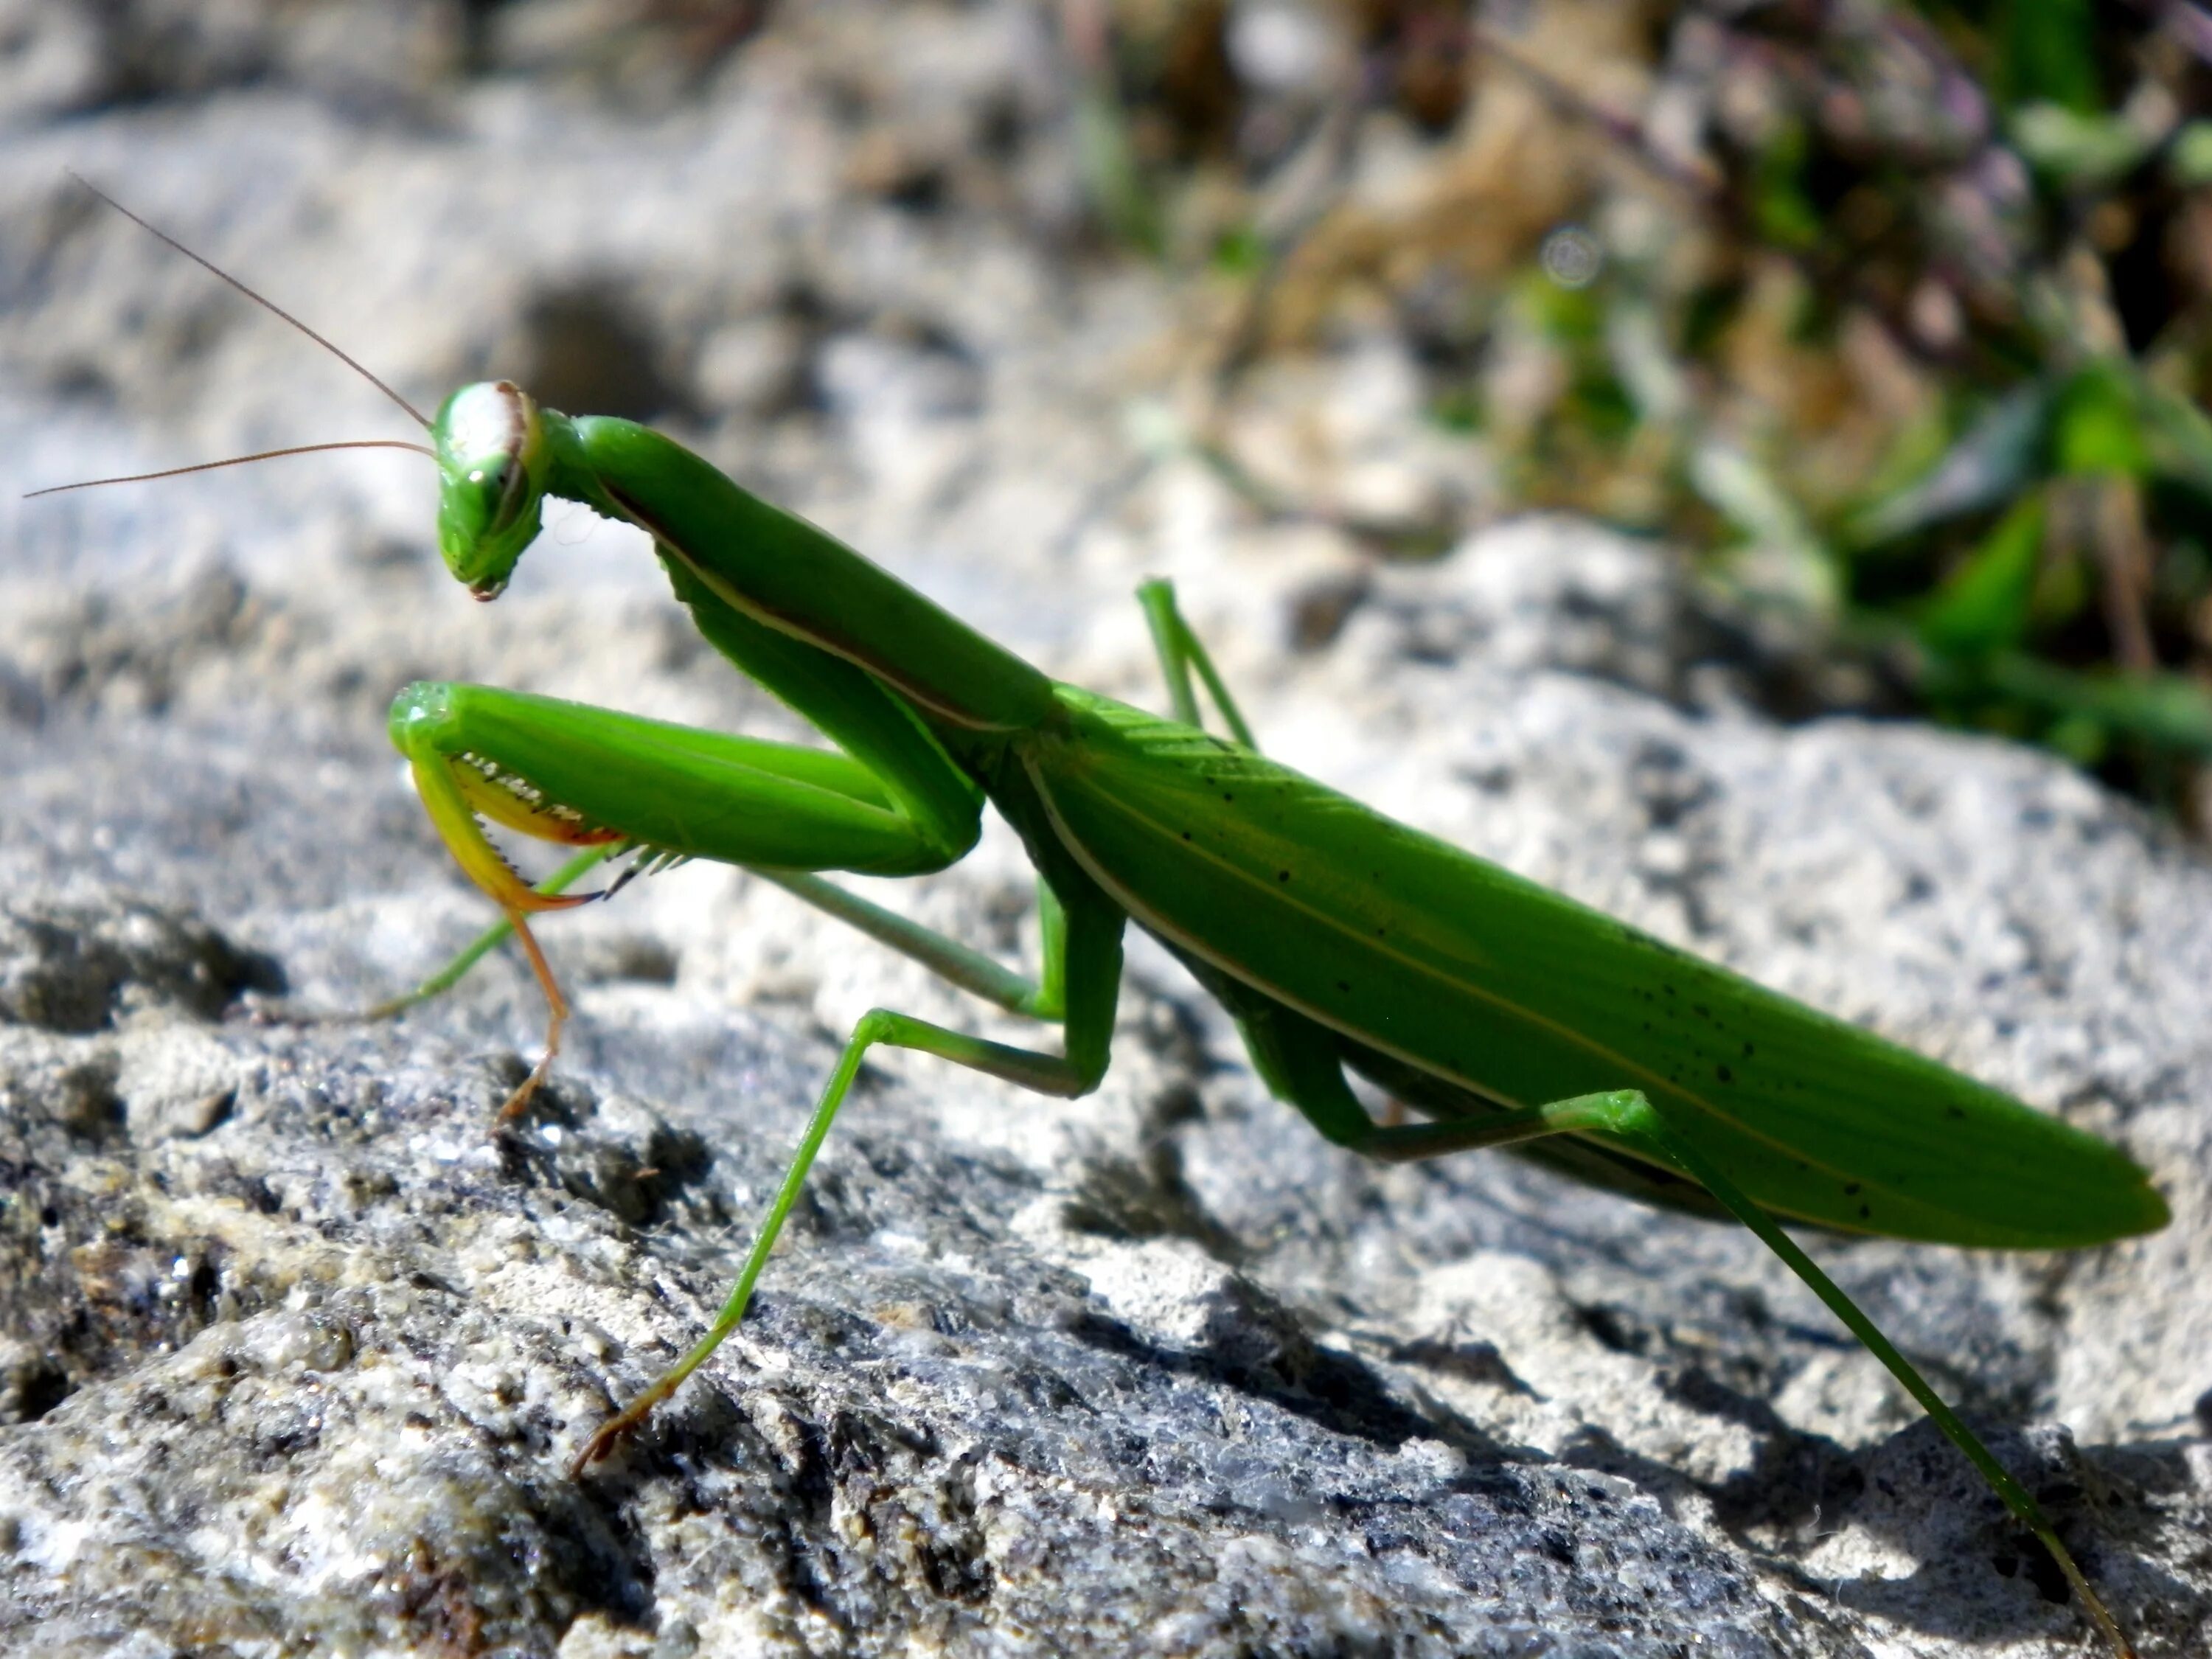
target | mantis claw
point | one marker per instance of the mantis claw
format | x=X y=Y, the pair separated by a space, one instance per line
x=602 y=1443
x=557 y=1011
x=519 y=1100
x=452 y=791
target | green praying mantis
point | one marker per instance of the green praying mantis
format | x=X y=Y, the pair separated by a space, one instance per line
x=1339 y=940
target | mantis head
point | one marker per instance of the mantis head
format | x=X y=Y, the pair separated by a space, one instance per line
x=492 y=465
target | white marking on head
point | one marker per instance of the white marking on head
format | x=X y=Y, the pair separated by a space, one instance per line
x=486 y=421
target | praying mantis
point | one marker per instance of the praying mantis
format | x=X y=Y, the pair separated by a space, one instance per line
x=1500 y=1012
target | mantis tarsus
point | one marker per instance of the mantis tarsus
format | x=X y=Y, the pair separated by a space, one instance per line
x=1502 y=1012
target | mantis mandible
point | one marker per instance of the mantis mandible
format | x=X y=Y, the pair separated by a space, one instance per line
x=1339 y=940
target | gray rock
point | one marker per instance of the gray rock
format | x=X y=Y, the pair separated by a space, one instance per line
x=296 y=1345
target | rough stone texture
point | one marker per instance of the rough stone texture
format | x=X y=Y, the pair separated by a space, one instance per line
x=295 y=1349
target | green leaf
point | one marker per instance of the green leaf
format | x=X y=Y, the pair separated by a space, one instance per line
x=2099 y=429
x=1113 y=179
x=2169 y=710
x=1784 y=215
x=1782 y=559
x=2081 y=739
x=2048 y=53
x=1240 y=251
x=2179 y=437
x=2080 y=151
x=1983 y=605
x=2190 y=158
x=1999 y=454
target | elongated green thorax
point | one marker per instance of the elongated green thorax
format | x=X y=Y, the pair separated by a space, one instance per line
x=778 y=569
x=499 y=455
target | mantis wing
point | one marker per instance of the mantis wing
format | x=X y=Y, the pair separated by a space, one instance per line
x=1446 y=964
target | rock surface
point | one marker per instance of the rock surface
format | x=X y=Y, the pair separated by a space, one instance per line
x=296 y=1348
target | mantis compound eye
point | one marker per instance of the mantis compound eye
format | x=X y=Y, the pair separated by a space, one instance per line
x=491 y=466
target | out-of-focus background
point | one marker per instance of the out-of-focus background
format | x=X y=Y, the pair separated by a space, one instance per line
x=1619 y=438
x=1894 y=316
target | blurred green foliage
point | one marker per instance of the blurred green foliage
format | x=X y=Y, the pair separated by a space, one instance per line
x=1904 y=314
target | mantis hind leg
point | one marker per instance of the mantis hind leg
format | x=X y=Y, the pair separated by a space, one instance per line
x=1181 y=652
x=1090 y=949
x=1641 y=1121
x=1300 y=1064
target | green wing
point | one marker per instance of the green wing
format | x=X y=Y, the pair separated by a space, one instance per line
x=1436 y=959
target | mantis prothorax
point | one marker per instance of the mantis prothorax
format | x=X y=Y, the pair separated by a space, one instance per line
x=1504 y=1013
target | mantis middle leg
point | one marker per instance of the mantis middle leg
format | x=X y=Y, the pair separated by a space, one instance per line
x=1089 y=956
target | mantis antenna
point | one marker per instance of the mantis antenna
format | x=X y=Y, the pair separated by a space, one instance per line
x=235 y=460
x=270 y=306
x=262 y=300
